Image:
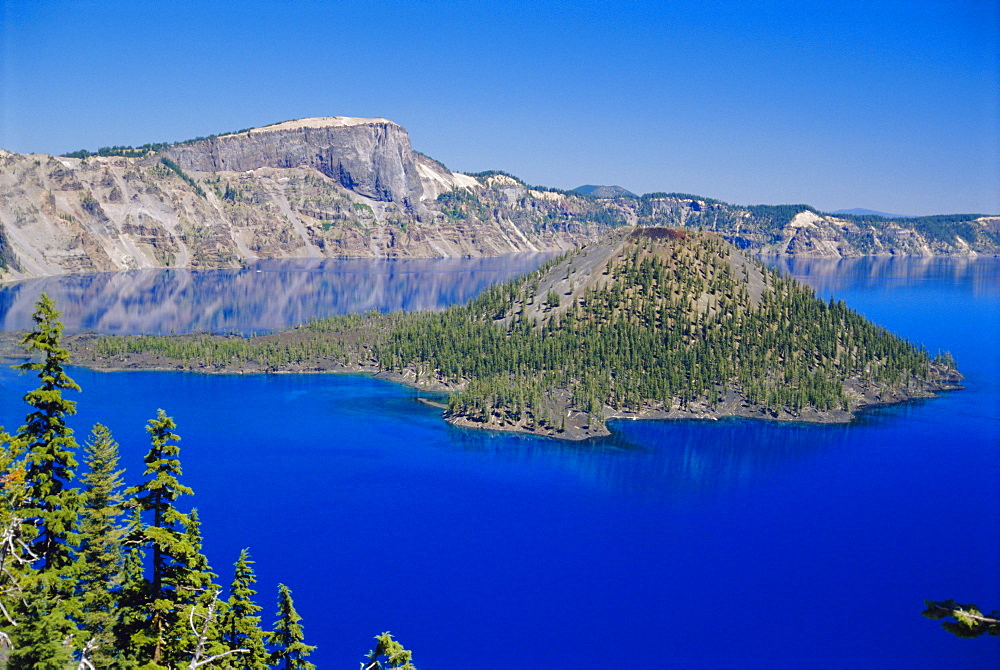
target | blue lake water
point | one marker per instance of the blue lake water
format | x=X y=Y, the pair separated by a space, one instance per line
x=670 y=544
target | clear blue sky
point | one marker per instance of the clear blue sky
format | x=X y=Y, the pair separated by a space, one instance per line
x=889 y=105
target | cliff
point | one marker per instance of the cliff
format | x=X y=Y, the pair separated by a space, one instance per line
x=371 y=157
x=347 y=187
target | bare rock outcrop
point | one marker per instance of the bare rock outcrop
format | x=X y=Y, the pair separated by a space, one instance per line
x=371 y=157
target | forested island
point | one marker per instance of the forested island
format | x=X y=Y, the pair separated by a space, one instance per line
x=645 y=323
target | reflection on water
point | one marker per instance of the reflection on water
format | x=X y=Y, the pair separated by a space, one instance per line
x=266 y=296
x=981 y=275
x=664 y=459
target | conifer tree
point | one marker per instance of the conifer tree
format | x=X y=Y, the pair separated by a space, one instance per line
x=240 y=623
x=191 y=581
x=46 y=512
x=100 y=562
x=49 y=442
x=192 y=577
x=132 y=633
x=166 y=533
x=963 y=620
x=44 y=634
x=388 y=653
x=290 y=651
x=15 y=560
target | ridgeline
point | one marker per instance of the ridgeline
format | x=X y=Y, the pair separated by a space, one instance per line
x=339 y=187
x=646 y=323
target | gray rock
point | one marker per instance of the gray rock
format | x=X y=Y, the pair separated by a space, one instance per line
x=371 y=157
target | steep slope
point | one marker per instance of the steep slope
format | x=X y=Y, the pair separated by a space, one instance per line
x=371 y=157
x=657 y=323
x=313 y=188
x=348 y=187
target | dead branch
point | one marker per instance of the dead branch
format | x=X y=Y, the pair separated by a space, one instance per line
x=196 y=656
x=85 y=663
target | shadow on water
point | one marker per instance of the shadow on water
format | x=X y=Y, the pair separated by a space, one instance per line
x=266 y=296
x=654 y=460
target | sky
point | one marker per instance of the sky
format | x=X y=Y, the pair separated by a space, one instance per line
x=886 y=105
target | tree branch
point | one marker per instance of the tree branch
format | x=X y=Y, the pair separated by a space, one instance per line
x=196 y=656
x=85 y=663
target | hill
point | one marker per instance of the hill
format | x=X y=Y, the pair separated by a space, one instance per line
x=645 y=323
x=604 y=191
x=860 y=211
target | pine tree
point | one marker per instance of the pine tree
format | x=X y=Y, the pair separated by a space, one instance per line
x=390 y=652
x=49 y=442
x=192 y=577
x=290 y=651
x=43 y=606
x=132 y=634
x=191 y=581
x=166 y=532
x=44 y=634
x=100 y=562
x=240 y=623
x=15 y=560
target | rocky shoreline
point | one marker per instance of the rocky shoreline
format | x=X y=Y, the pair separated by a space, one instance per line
x=580 y=426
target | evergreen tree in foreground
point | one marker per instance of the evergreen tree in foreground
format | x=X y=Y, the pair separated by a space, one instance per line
x=133 y=598
x=166 y=533
x=195 y=597
x=287 y=637
x=388 y=653
x=965 y=620
x=39 y=620
x=240 y=623
x=49 y=443
x=101 y=559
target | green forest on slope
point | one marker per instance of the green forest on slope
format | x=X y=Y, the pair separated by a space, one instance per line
x=104 y=576
x=651 y=319
x=670 y=321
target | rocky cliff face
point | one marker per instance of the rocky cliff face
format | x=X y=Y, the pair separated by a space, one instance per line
x=344 y=187
x=371 y=157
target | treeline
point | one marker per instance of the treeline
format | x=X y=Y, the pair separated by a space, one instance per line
x=120 y=150
x=108 y=576
x=319 y=344
x=143 y=150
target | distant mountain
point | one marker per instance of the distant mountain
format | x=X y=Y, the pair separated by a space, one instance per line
x=604 y=191
x=860 y=211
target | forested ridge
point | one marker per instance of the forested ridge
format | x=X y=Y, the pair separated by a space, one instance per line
x=650 y=321
x=107 y=576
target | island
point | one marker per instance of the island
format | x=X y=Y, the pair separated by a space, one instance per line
x=647 y=323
